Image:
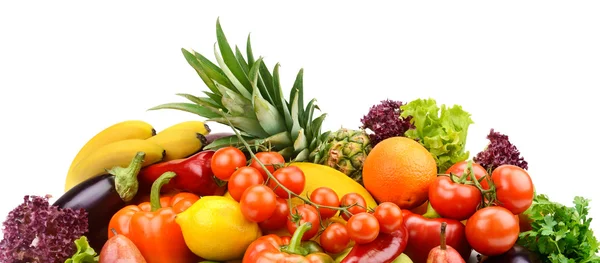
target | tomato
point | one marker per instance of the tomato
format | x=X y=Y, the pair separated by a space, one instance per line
x=279 y=217
x=225 y=161
x=351 y=199
x=258 y=203
x=492 y=230
x=458 y=169
x=514 y=188
x=389 y=216
x=241 y=179
x=327 y=197
x=291 y=177
x=307 y=213
x=453 y=200
x=334 y=238
x=269 y=160
x=363 y=228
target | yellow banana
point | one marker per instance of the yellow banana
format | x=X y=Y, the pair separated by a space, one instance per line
x=130 y=129
x=197 y=126
x=118 y=153
x=178 y=144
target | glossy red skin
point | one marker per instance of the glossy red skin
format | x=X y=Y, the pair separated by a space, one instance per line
x=459 y=168
x=267 y=249
x=384 y=249
x=424 y=235
x=194 y=175
x=351 y=199
x=453 y=200
x=121 y=248
x=327 y=197
x=279 y=217
x=493 y=230
x=242 y=179
x=291 y=177
x=335 y=238
x=514 y=188
x=307 y=213
x=269 y=160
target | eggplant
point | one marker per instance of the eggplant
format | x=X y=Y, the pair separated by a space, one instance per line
x=211 y=137
x=517 y=254
x=102 y=196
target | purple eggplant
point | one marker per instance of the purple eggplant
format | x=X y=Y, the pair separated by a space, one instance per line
x=102 y=196
x=517 y=254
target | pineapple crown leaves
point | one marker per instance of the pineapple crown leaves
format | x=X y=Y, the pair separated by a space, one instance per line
x=253 y=101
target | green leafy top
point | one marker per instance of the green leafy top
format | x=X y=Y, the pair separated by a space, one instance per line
x=84 y=253
x=443 y=134
x=561 y=234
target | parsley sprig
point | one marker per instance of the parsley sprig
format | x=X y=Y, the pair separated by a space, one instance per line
x=561 y=234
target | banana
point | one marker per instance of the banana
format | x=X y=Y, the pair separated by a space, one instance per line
x=130 y=129
x=113 y=154
x=197 y=126
x=178 y=144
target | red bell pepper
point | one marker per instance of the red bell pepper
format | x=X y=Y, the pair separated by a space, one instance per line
x=275 y=249
x=151 y=226
x=424 y=235
x=194 y=175
x=384 y=249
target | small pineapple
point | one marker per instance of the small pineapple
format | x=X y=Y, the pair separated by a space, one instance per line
x=344 y=150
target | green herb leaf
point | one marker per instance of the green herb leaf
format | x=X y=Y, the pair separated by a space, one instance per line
x=84 y=253
x=560 y=233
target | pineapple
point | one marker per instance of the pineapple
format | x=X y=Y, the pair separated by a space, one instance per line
x=344 y=150
x=244 y=92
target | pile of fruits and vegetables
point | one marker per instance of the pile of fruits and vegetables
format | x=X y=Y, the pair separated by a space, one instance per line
x=399 y=188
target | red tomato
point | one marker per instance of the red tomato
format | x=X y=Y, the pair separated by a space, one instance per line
x=351 y=199
x=307 y=213
x=389 y=216
x=291 y=177
x=258 y=203
x=514 y=188
x=458 y=169
x=335 y=238
x=453 y=200
x=363 y=228
x=242 y=179
x=225 y=161
x=268 y=159
x=279 y=217
x=327 y=197
x=492 y=230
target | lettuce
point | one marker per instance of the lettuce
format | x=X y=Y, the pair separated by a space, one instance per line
x=84 y=253
x=442 y=131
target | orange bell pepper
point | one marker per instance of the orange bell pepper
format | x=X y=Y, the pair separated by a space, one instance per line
x=152 y=228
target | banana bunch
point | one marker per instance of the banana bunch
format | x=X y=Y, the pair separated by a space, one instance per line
x=119 y=143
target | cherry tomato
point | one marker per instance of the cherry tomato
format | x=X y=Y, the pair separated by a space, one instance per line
x=514 y=188
x=268 y=159
x=241 y=179
x=351 y=199
x=492 y=230
x=279 y=217
x=291 y=177
x=258 y=203
x=389 y=216
x=453 y=200
x=327 y=197
x=307 y=213
x=363 y=228
x=458 y=169
x=335 y=238
x=225 y=161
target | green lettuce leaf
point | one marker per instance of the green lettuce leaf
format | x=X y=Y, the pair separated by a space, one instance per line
x=85 y=253
x=442 y=131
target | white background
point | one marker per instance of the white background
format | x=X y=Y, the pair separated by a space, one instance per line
x=529 y=69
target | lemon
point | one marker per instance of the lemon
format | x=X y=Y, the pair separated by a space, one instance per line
x=214 y=228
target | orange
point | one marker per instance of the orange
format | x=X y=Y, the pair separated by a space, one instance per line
x=399 y=170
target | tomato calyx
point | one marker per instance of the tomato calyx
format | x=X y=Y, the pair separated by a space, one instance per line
x=468 y=177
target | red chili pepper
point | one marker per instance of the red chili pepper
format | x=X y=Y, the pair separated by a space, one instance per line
x=424 y=235
x=194 y=175
x=384 y=249
x=275 y=249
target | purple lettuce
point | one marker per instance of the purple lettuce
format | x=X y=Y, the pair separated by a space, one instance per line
x=499 y=151
x=383 y=120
